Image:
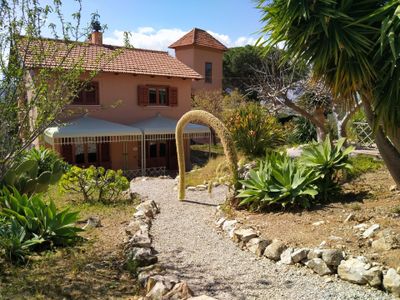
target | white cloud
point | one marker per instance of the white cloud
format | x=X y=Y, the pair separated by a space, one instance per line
x=150 y=38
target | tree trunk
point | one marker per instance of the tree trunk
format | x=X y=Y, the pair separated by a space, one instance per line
x=321 y=126
x=389 y=153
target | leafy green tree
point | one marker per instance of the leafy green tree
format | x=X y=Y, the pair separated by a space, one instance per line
x=38 y=76
x=353 y=46
x=238 y=68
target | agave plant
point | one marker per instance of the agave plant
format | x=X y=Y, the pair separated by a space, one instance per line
x=13 y=240
x=327 y=161
x=39 y=219
x=279 y=180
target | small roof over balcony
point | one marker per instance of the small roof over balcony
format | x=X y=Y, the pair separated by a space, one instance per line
x=160 y=127
x=90 y=130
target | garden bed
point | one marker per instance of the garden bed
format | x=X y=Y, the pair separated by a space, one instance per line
x=91 y=270
x=367 y=198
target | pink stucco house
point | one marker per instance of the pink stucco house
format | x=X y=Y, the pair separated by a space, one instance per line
x=153 y=90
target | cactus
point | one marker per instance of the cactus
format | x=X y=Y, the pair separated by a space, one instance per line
x=226 y=140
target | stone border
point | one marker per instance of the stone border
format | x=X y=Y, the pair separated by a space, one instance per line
x=320 y=260
x=141 y=258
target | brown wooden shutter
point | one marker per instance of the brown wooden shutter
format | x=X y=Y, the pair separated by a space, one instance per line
x=66 y=152
x=105 y=152
x=173 y=96
x=142 y=95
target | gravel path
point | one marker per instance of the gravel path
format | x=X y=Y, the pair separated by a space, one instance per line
x=191 y=247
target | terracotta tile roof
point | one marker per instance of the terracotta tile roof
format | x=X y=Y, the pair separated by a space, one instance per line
x=57 y=53
x=199 y=37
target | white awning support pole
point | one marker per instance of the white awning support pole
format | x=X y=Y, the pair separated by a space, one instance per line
x=143 y=158
x=209 y=146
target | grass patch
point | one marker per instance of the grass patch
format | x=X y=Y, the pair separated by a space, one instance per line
x=362 y=164
x=207 y=173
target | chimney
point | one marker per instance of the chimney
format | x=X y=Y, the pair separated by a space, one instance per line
x=96 y=38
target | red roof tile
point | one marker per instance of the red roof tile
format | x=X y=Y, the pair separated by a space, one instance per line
x=57 y=53
x=199 y=37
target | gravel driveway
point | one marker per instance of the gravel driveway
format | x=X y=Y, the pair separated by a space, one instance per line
x=191 y=247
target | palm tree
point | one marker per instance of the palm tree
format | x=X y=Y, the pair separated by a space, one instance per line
x=354 y=47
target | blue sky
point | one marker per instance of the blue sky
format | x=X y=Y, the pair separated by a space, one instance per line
x=157 y=23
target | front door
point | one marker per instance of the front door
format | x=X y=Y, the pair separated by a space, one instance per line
x=156 y=154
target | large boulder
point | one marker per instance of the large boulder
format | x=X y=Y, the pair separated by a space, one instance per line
x=391 y=282
x=274 y=250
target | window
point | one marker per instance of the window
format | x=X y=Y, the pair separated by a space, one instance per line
x=153 y=150
x=87 y=154
x=208 y=72
x=163 y=149
x=89 y=95
x=157 y=95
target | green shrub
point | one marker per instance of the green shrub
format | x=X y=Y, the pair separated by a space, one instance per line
x=254 y=130
x=362 y=164
x=35 y=171
x=279 y=180
x=94 y=184
x=327 y=161
x=303 y=131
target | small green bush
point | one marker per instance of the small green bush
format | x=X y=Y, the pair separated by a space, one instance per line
x=362 y=164
x=94 y=184
x=279 y=180
x=327 y=161
x=254 y=130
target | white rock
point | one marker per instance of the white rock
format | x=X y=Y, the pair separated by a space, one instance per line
x=393 y=188
x=356 y=270
x=257 y=246
x=318 y=266
x=319 y=223
x=286 y=256
x=352 y=270
x=391 y=282
x=299 y=254
x=370 y=232
x=191 y=188
x=274 y=250
x=244 y=234
x=229 y=226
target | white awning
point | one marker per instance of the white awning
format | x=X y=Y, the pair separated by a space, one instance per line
x=88 y=129
x=160 y=125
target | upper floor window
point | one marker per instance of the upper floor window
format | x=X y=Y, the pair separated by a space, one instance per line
x=157 y=96
x=208 y=72
x=89 y=95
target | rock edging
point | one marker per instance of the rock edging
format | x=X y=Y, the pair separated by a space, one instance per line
x=141 y=258
x=321 y=261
